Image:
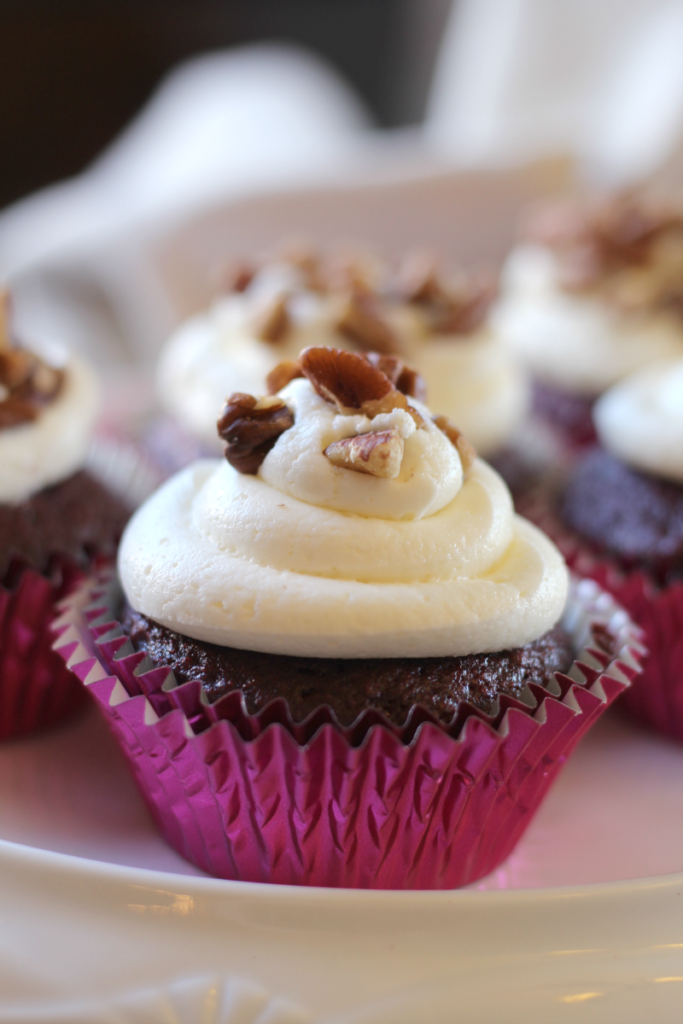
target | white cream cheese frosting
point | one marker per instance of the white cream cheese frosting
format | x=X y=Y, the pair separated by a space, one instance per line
x=309 y=559
x=640 y=420
x=49 y=449
x=472 y=379
x=575 y=341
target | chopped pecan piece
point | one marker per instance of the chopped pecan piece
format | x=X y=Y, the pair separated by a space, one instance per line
x=349 y=381
x=272 y=321
x=280 y=376
x=344 y=378
x=404 y=378
x=250 y=428
x=361 y=321
x=378 y=453
x=458 y=440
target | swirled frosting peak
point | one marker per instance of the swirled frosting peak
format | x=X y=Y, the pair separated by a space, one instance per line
x=640 y=420
x=302 y=550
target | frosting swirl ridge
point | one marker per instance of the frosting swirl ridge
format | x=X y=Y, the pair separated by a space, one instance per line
x=307 y=558
x=640 y=420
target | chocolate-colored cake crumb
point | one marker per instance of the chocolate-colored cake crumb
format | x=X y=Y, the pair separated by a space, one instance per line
x=633 y=516
x=77 y=517
x=350 y=686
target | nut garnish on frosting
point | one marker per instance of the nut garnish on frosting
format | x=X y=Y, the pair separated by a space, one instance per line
x=27 y=382
x=370 y=385
x=379 y=453
x=250 y=427
x=630 y=250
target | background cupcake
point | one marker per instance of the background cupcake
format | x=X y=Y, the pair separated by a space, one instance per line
x=340 y=661
x=435 y=321
x=592 y=293
x=624 y=505
x=54 y=519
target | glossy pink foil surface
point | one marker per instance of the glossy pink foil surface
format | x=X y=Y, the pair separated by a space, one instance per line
x=36 y=690
x=261 y=798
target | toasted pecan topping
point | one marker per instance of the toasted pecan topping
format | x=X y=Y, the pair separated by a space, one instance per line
x=592 y=243
x=466 y=451
x=404 y=378
x=272 y=323
x=361 y=321
x=27 y=383
x=280 y=376
x=250 y=428
x=378 y=453
x=352 y=383
x=344 y=378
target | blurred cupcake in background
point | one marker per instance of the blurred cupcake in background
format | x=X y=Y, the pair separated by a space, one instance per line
x=55 y=519
x=593 y=292
x=435 y=321
x=620 y=520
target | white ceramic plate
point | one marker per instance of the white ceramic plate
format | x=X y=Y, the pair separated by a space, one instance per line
x=102 y=922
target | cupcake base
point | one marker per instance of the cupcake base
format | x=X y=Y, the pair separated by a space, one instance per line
x=656 y=698
x=261 y=798
x=36 y=689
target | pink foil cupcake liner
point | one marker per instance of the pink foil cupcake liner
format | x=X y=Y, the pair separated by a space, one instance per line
x=656 y=699
x=262 y=798
x=36 y=689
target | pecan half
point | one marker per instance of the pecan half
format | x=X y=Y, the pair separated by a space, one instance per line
x=272 y=323
x=404 y=378
x=465 y=450
x=250 y=428
x=378 y=453
x=280 y=376
x=361 y=321
x=351 y=382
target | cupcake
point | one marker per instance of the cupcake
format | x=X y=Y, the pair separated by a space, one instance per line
x=54 y=519
x=623 y=510
x=340 y=658
x=436 y=322
x=592 y=293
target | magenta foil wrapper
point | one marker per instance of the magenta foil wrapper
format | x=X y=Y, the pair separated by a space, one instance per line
x=261 y=798
x=656 y=698
x=36 y=689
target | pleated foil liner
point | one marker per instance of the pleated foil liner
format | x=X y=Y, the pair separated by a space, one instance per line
x=262 y=798
x=656 y=699
x=36 y=689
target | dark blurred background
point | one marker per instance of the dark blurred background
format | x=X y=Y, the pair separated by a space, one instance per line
x=73 y=72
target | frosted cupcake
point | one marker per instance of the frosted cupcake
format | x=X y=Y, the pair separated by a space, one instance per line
x=54 y=519
x=624 y=506
x=592 y=293
x=435 y=322
x=340 y=659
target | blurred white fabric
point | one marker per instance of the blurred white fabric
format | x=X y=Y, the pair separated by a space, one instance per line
x=600 y=80
x=243 y=120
